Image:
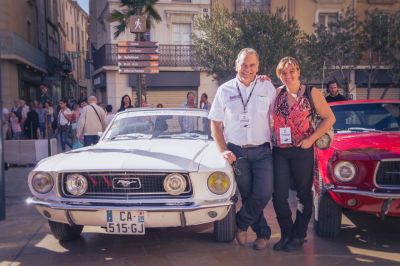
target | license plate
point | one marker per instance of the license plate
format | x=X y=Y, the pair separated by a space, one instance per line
x=125 y=222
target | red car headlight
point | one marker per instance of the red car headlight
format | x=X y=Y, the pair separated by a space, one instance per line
x=344 y=171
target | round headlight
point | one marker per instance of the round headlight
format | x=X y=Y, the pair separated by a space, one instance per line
x=76 y=184
x=218 y=183
x=345 y=171
x=42 y=182
x=174 y=184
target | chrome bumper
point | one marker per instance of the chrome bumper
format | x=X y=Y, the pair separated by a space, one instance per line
x=84 y=206
x=378 y=195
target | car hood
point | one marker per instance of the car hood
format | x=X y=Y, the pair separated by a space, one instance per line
x=374 y=146
x=137 y=155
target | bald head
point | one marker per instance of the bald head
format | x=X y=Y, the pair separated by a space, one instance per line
x=92 y=99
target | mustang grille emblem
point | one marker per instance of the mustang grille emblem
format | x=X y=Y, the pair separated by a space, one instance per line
x=127 y=183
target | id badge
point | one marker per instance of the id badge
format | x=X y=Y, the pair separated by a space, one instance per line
x=285 y=135
x=244 y=120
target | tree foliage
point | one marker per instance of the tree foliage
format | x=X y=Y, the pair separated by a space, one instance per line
x=217 y=40
x=130 y=8
x=333 y=50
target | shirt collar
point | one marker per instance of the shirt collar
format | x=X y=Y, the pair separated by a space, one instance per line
x=242 y=86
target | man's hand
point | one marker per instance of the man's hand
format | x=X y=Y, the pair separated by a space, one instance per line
x=264 y=78
x=229 y=156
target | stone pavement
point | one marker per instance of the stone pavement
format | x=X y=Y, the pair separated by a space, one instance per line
x=25 y=239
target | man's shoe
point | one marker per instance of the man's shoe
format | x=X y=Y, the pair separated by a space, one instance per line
x=260 y=243
x=241 y=237
x=280 y=245
x=294 y=244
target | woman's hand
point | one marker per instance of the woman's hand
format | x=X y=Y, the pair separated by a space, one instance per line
x=305 y=143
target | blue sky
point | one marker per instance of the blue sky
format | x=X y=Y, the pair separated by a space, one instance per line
x=84 y=4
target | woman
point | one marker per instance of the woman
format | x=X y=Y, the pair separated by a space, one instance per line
x=204 y=104
x=126 y=103
x=293 y=152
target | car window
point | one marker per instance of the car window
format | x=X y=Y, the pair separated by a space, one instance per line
x=159 y=126
x=367 y=117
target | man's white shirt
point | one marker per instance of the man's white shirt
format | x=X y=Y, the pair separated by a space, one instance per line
x=228 y=108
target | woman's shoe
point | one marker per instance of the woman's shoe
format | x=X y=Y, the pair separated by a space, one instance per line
x=294 y=244
x=280 y=245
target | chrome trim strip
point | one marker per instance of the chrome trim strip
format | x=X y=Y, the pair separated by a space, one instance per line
x=89 y=207
x=378 y=195
x=376 y=172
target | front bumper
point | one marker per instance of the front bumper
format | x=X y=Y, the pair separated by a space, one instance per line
x=381 y=203
x=154 y=216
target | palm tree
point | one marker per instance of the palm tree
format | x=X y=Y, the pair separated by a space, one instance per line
x=131 y=8
x=138 y=8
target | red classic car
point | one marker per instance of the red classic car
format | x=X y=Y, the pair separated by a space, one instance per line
x=361 y=170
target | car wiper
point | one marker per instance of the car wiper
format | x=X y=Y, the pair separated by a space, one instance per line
x=131 y=136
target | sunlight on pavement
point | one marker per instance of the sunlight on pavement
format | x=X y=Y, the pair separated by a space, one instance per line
x=9 y=263
x=391 y=256
x=50 y=243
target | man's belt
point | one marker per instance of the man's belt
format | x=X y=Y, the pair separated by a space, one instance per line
x=252 y=146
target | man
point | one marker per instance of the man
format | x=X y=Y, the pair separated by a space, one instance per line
x=186 y=123
x=240 y=125
x=334 y=94
x=91 y=121
x=63 y=124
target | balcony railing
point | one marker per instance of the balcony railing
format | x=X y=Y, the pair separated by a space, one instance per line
x=170 y=56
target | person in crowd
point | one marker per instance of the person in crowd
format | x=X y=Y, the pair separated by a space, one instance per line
x=82 y=103
x=187 y=123
x=24 y=109
x=110 y=115
x=240 y=119
x=31 y=124
x=126 y=103
x=293 y=153
x=39 y=108
x=49 y=111
x=91 y=121
x=15 y=123
x=44 y=94
x=5 y=122
x=333 y=89
x=76 y=113
x=204 y=104
x=63 y=120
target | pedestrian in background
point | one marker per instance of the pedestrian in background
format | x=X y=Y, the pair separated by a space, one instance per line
x=240 y=125
x=15 y=123
x=126 y=103
x=91 y=121
x=5 y=122
x=110 y=114
x=334 y=95
x=204 y=104
x=31 y=124
x=294 y=154
x=38 y=107
x=63 y=118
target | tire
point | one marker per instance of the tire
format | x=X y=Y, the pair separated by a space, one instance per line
x=65 y=232
x=224 y=230
x=329 y=216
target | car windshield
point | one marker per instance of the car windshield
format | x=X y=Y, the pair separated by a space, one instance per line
x=367 y=117
x=165 y=124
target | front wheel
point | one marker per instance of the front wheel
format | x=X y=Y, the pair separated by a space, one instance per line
x=224 y=230
x=65 y=232
x=328 y=216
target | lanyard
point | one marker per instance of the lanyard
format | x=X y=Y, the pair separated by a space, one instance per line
x=248 y=98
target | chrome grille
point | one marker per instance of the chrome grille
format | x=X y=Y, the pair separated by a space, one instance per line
x=126 y=185
x=388 y=174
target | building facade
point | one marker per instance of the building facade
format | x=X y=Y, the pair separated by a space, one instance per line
x=34 y=50
x=179 y=71
x=323 y=12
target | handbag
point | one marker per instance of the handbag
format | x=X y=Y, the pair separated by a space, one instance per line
x=325 y=141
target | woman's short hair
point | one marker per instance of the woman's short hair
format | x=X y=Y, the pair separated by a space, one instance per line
x=284 y=63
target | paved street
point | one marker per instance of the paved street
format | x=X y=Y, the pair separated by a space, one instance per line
x=25 y=239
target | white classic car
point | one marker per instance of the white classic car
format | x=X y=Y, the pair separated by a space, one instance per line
x=151 y=168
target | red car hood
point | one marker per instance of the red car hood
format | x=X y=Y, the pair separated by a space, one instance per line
x=373 y=146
